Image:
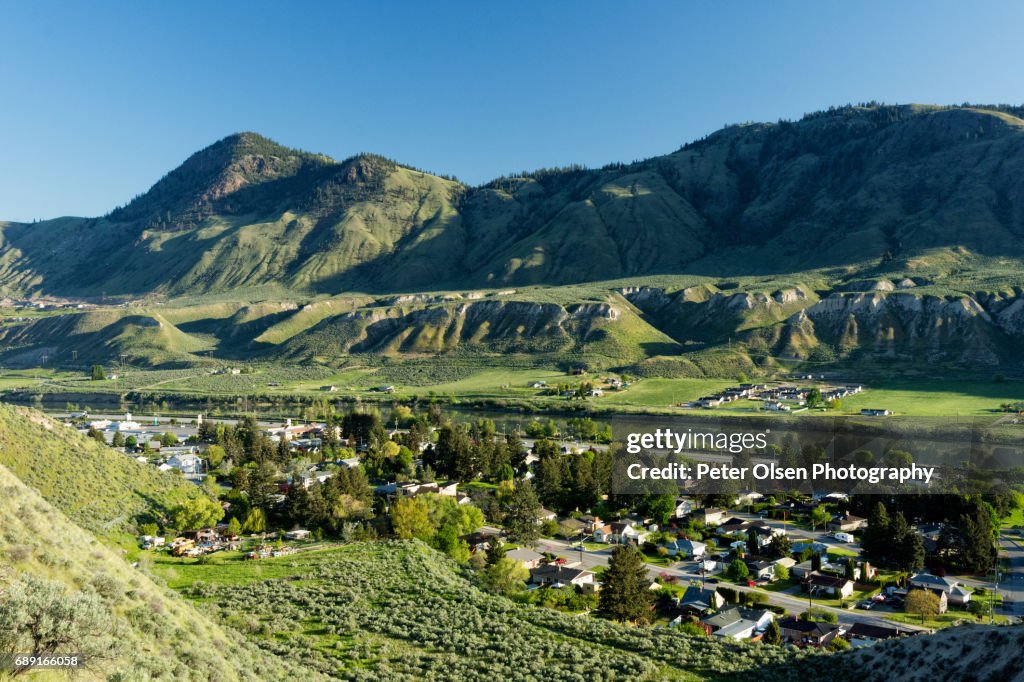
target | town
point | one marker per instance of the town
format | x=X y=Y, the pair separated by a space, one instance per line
x=538 y=521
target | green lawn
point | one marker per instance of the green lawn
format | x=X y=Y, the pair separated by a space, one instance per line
x=498 y=382
x=842 y=552
x=1016 y=518
x=663 y=392
x=226 y=568
x=935 y=622
x=937 y=398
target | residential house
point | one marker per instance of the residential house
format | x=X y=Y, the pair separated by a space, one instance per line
x=710 y=516
x=526 y=557
x=847 y=523
x=691 y=549
x=684 y=506
x=861 y=634
x=297 y=534
x=626 y=533
x=546 y=515
x=804 y=633
x=738 y=622
x=959 y=596
x=191 y=466
x=819 y=548
x=603 y=534
x=699 y=600
x=448 y=488
x=748 y=497
x=553 y=575
x=955 y=593
x=862 y=570
x=801 y=570
x=590 y=523
x=820 y=584
x=571 y=528
x=480 y=542
x=761 y=570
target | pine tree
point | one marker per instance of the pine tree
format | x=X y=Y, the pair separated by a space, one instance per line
x=522 y=511
x=624 y=595
x=875 y=538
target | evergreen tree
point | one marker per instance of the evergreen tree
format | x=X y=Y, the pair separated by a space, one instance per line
x=752 y=546
x=549 y=473
x=875 y=538
x=522 y=511
x=624 y=595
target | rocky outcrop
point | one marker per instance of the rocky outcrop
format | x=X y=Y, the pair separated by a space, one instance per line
x=905 y=326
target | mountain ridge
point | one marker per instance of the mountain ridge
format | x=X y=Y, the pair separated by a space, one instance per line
x=854 y=187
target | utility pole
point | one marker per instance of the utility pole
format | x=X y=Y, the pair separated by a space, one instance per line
x=995 y=591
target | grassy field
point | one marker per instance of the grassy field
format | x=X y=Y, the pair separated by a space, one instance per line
x=1014 y=520
x=486 y=378
x=930 y=397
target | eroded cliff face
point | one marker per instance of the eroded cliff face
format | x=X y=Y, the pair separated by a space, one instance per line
x=906 y=326
x=511 y=326
x=881 y=319
x=706 y=313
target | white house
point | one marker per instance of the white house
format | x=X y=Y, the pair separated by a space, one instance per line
x=684 y=505
x=189 y=465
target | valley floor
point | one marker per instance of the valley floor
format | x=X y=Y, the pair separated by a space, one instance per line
x=500 y=387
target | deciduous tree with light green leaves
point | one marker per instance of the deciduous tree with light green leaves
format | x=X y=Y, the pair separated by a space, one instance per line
x=924 y=603
x=505 y=576
x=200 y=512
x=410 y=518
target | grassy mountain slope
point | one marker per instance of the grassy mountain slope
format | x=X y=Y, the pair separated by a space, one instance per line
x=402 y=611
x=148 y=633
x=866 y=235
x=968 y=652
x=100 y=489
x=871 y=189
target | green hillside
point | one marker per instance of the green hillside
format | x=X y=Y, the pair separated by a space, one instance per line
x=402 y=611
x=876 y=190
x=863 y=236
x=97 y=487
x=130 y=626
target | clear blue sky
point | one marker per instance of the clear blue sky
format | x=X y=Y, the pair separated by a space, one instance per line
x=98 y=100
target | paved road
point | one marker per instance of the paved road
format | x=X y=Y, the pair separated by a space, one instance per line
x=1011 y=584
x=687 y=571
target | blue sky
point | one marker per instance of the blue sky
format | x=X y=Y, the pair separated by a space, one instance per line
x=98 y=100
